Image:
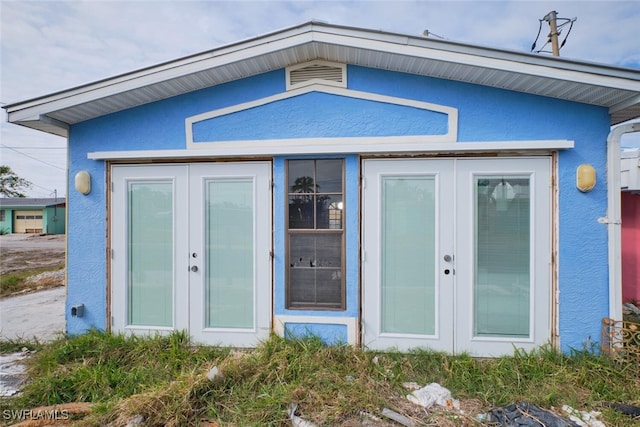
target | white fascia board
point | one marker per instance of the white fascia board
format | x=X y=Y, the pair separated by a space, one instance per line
x=481 y=61
x=313 y=146
x=179 y=67
x=147 y=77
x=363 y=39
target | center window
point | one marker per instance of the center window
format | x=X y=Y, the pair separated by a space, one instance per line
x=315 y=234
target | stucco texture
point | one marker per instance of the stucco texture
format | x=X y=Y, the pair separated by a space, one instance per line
x=485 y=114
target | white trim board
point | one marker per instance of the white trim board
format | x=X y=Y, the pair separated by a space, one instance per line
x=451 y=112
x=386 y=145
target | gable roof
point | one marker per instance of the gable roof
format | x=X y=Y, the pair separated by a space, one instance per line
x=19 y=202
x=615 y=88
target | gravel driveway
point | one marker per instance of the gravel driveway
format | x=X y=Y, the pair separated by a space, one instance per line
x=39 y=315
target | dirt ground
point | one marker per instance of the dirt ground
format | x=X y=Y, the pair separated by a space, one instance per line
x=19 y=252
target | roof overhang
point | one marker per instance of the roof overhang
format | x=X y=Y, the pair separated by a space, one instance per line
x=617 y=89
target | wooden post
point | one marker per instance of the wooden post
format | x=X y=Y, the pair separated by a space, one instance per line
x=553 y=32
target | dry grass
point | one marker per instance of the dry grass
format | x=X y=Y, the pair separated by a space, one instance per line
x=27 y=281
x=163 y=380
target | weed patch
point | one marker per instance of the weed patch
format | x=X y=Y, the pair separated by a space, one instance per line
x=18 y=282
x=164 y=380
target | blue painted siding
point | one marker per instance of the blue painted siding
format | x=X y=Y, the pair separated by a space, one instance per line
x=320 y=115
x=485 y=114
x=329 y=333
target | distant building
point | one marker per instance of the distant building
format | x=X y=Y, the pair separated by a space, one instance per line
x=27 y=215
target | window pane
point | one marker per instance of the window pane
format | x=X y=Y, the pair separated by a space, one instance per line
x=229 y=240
x=150 y=236
x=329 y=176
x=315 y=269
x=502 y=256
x=408 y=255
x=301 y=176
x=329 y=211
x=301 y=211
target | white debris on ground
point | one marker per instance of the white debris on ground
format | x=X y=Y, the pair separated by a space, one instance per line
x=297 y=421
x=582 y=418
x=11 y=372
x=433 y=394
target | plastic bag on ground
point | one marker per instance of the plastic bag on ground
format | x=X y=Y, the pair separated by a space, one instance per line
x=433 y=394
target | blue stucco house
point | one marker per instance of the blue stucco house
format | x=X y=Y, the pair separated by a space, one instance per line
x=372 y=188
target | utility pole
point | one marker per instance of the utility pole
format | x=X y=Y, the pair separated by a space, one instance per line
x=553 y=32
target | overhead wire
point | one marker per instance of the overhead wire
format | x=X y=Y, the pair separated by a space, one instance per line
x=34 y=158
x=35 y=148
x=559 y=27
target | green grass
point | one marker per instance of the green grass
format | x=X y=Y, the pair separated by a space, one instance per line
x=164 y=380
x=13 y=283
x=17 y=345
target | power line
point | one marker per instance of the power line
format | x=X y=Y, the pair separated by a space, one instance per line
x=34 y=158
x=36 y=148
x=46 y=189
x=556 y=25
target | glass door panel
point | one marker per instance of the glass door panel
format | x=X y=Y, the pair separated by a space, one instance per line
x=150 y=250
x=502 y=285
x=229 y=251
x=408 y=270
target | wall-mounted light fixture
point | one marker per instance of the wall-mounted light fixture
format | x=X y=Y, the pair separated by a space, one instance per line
x=585 y=177
x=83 y=182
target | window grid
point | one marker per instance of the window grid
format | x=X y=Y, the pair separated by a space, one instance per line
x=315 y=234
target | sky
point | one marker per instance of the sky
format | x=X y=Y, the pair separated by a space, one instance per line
x=47 y=46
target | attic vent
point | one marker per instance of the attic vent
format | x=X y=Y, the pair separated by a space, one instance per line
x=317 y=72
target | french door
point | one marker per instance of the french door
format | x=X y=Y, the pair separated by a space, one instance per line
x=190 y=250
x=456 y=254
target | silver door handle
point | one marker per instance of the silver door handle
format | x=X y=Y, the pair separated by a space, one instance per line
x=194 y=268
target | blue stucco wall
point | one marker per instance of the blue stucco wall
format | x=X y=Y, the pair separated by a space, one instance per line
x=485 y=114
x=321 y=115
